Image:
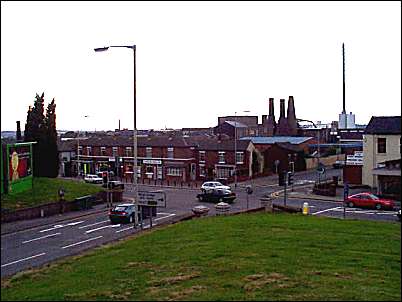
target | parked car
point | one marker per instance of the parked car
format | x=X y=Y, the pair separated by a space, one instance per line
x=369 y=200
x=217 y=195
x=114 y=184
x=124 y=213
x=338 y=164
x=92 y=178
x=209 y=185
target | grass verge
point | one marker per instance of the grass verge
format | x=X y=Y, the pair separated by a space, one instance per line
x=243 y=257
x=45 y=190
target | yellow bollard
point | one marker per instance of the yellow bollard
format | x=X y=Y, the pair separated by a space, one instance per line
x=305 y=208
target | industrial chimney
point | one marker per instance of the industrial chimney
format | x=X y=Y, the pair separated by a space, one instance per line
x=291 y=117
x=18 y=135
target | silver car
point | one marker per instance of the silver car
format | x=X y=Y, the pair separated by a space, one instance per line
x=210 y=185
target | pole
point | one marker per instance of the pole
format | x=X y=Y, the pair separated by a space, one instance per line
x=135 y=184
x=235 y=145
x=284 y=196
x=78 y=153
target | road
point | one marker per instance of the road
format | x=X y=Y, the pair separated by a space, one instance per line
x=37 y=246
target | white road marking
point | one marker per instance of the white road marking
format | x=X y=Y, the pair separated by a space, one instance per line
x=74 y=244
x=319 y=212
x=41 y=254
x=85 y=226
x=58 y=226
x=170 y=215
x=51 y=235
x=104 y=227
x=132 y=227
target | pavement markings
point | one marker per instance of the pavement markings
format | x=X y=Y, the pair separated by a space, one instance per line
x=331 y=209
x=170 y=215
x=51 y=235
x=104 y=227
x=85 y=226
x=24 y=259
x=74 y=244
x=58 y=226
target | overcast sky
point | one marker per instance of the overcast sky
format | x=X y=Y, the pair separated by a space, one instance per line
x=196 y=61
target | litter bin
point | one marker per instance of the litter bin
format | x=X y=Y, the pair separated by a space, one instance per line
x=84 y=202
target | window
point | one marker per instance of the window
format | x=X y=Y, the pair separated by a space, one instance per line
x=202 y=156
x=224 y=172
x=202 y=170
x=115 y=151
x=174 y=171
x=129 y=151
x=103 y=151
x=170 y=152
x=80 y=150
x=239 y=157
x=148 y=152
x=221 y=157
x=381 y=145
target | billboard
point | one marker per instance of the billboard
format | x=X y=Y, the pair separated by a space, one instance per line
x=20 y=167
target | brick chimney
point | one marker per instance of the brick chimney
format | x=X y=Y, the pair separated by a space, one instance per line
x=18 y=135
x=283 y=126
x=271 y=123
x=291 y=117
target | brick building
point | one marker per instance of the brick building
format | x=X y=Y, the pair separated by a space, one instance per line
x=171 y=158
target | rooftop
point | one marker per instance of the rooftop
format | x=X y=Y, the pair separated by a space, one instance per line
x=270 y=140
x=384 y=125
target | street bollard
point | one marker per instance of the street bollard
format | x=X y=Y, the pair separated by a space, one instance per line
x=305 y=208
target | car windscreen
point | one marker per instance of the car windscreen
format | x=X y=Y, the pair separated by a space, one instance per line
x=119 y=209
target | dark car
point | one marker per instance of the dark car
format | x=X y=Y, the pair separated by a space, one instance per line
x=217 y=195
x=369 y=200
x=124 y=213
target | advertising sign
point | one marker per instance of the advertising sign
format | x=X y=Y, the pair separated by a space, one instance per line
x=20 y=167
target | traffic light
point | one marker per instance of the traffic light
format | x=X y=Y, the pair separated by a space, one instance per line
x=282 y=178
x=290 y=178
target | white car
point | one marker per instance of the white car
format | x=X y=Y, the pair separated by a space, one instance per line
x=91 y=178
x=209 y=185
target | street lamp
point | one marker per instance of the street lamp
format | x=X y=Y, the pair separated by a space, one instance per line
x=135 y=186
x=78 y=151
x=235 y=147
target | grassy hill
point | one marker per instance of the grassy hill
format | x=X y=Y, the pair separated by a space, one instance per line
x=46 y=190
x=243 y=257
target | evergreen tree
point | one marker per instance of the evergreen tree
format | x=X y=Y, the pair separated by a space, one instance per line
x=52 y=153
x=37 y=130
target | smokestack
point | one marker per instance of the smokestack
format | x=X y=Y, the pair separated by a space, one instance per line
x=271 y=107
x=119 y=124
x=343 y=56
x=292 y=122
x=18 y=131
x=282 y=108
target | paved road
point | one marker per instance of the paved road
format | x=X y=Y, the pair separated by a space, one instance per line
x=39 y=245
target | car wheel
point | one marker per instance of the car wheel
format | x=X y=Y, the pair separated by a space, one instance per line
x=350 y=204
x=378 y=206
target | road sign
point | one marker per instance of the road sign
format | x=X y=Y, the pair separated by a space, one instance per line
x=152 y=198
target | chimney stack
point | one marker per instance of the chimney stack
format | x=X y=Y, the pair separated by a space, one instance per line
x=271 y=107
x=18 y=131
x=291 y=116
x=270 y=123
x=282 y=109
x=119 y=124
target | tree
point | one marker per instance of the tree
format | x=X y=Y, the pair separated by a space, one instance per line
x=42 y=131
x=52 y=154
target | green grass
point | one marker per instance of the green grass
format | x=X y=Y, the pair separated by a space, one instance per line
x=45 y=191
x=243 y=257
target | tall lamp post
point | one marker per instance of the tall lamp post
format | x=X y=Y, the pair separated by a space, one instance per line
x=235 y=147
x=135 y=172
x=78 y=152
